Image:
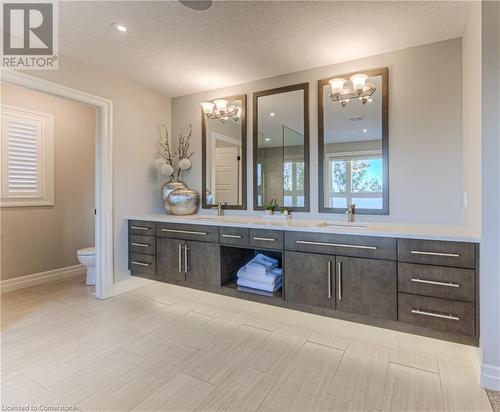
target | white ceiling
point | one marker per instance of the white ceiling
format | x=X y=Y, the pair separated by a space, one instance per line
x=181 y=51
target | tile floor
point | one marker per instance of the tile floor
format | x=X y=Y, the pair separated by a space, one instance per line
x=163 y=347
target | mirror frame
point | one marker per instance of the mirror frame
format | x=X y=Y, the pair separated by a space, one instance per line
x=384 y=72
x=243 y=119
x=279 y=90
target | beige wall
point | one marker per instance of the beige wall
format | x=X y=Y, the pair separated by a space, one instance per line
x=425 y=129
x=37 y=239
x=137 y=112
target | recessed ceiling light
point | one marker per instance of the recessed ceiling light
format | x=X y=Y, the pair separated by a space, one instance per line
x=119 y=27
x=267 y=139
x=365 y=130
x=272 y=114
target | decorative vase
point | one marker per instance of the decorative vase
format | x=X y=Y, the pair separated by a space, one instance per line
x=269 y=211
x=168 y=188
x=183 y=201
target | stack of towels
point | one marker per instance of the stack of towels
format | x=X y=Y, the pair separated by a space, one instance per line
x=260 y=275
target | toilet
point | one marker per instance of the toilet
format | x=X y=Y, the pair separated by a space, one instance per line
x=86 y=257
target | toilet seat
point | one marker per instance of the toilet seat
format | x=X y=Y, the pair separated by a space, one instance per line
x=88 y=251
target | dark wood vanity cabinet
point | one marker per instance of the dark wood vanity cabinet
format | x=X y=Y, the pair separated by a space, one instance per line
x=309 y=279
x=190 y=261
x=419 y=286
x=202 y=263
x=181 y=259
x=170 y=259
x=366 y=287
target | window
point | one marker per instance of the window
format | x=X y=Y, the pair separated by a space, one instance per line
x=27 y=154
x=293 y=183
x=354 y=178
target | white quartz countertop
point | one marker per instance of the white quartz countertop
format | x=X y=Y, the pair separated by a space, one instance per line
x=396 y=230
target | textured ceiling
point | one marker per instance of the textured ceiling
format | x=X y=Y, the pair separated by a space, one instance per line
x=181 y=51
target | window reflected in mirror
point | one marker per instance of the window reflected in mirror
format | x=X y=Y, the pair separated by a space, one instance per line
x=353 y=147
x=224 y=152
x=281 y=147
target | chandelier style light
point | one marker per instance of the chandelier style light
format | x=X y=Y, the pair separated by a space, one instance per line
x=356 y=87
x=221 y=109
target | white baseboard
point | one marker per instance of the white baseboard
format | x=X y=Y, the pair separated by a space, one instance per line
x=27 y=281
x=490 y=377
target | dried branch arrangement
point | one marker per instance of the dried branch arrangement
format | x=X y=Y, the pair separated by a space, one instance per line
x=165 y=158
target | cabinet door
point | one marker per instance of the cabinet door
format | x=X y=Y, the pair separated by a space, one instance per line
x=309 y=279
x=170 y=255
x=367 y=287
x=202 y=263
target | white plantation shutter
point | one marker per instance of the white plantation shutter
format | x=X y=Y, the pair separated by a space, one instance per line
x=27 y=158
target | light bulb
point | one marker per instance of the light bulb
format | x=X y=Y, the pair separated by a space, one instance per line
x=221 y=105
x=337 y=85
x=208 y=108
x=358 y=82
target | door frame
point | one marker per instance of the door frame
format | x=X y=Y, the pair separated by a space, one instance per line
x=103 y=169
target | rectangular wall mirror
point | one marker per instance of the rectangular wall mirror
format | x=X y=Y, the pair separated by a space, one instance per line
x=281 y=147
x=224 y=134
x=353 y=143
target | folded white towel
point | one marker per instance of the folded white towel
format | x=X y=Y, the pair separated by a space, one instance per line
x=255 y=291
x=258 y=285
x=262 y=263
x=271 y=277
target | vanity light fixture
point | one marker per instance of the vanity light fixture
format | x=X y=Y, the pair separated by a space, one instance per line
x=272 y=114
x=119 y=27
x=356 y=87
x=221 y=109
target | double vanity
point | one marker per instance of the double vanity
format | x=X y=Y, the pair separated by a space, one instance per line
x=419 y=279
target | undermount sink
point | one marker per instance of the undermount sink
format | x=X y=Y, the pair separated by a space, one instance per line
x=207 y=218
x=342 y=225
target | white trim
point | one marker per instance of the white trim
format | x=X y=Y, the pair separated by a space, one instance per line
x=35 y=279
x=490 y=377
x=104 y=170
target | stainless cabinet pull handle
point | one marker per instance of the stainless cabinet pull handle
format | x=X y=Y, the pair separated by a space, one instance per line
x=422 y=252
x=186 y=259
x=139 y=228
x=233 y=236
x=265 y=239
x=180 y=258
x=187 y=232
x=435 y=315
x=434 y=282
x=329 y=279
x=339 y=266
x=307 y=242
x=140 y=263
x=140 y=244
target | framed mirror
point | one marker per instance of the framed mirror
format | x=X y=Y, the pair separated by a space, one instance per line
x=281 y=147
x=224 y=147
x=353 y=143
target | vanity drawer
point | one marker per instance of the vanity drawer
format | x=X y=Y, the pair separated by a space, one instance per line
x=343 y=245
x=142 y=265
x=140 y=227
x=188 y=232
x=266 y=239
x=145 y=245
x=435 y=313
x=436 y=252
x=437 y=281
x=234 y=236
